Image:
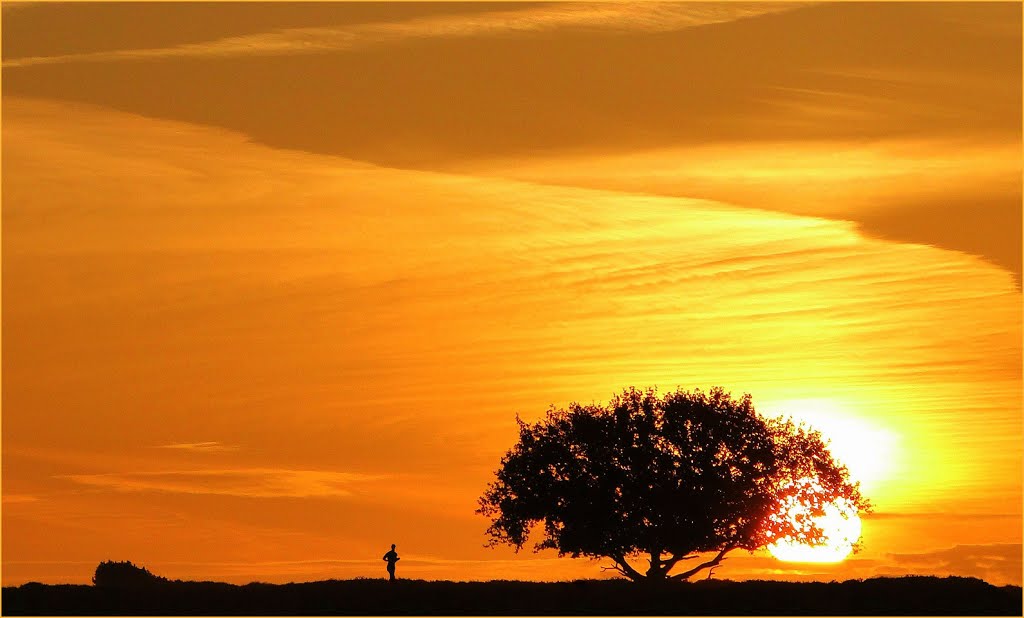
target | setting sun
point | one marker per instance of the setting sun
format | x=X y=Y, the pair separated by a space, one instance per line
x=840 y=525
x=869 y=453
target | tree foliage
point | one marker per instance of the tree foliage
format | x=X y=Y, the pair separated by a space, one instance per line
x=110 y=574
x=669 y=478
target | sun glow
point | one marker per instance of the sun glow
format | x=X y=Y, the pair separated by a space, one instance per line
x=868 y=451
x=840 y=526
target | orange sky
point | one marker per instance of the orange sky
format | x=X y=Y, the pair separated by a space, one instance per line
x=277 y=279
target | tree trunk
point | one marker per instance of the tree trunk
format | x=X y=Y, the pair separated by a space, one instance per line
x=658 y=569
x=655 y=572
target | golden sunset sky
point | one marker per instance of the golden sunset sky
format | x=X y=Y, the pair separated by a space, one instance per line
x=277 y=278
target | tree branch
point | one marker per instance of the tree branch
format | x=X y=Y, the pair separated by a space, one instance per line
x=710 y=563
x=624 y=568
x=666 y=565
x=615 y=568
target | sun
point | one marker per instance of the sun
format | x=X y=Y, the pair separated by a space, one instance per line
x=841 y=529
x=870 y=454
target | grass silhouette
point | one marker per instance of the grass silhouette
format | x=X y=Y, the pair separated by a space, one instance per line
x=878 y=596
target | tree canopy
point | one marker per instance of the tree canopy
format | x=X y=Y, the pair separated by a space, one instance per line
x=668 y=478
x=110 y=574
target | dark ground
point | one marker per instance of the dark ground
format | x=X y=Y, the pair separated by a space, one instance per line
x=892 y=596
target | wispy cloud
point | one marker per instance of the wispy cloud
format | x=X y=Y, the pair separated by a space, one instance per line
x=13 y=5
x=19 y=498
x=973 y=554
x=997 y=563
x=244 y=482
x=614 y=16
x=882 y=185
x=940 y=516
x=201 y=447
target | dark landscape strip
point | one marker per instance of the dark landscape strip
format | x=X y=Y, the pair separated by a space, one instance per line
x=906 y=596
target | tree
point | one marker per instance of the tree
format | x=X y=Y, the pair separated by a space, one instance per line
x=668 y=478
x=110 y=574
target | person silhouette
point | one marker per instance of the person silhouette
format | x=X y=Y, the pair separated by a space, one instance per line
x=391 y=557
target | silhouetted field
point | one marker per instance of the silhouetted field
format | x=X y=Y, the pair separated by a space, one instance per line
x=892 y=596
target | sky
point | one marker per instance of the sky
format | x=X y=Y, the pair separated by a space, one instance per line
x=278 y=278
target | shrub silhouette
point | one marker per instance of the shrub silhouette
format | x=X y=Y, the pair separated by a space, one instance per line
x=110 y=574
x=666 y=477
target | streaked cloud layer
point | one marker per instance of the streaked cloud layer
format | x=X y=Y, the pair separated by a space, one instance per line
x=246 y=482
x=201 y=447
x=915 y=138
x=618 y=16
x=887 y=186
x=340 y=322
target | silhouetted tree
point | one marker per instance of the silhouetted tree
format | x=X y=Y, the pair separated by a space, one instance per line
x=110 y=574
x=668 y=478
